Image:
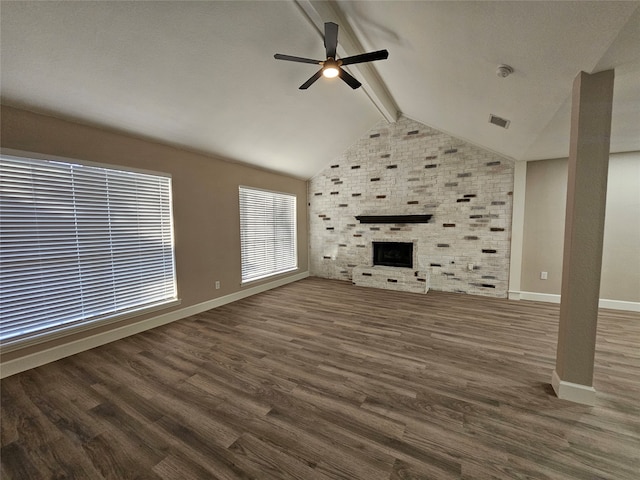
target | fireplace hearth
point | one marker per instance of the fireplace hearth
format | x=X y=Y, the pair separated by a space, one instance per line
x=393 y=254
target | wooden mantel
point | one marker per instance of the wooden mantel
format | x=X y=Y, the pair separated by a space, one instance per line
x=394 y=218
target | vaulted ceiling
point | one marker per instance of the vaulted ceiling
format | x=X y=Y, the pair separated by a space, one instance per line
x=201 y=75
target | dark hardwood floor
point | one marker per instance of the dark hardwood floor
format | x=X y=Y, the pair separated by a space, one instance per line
x=323 y=380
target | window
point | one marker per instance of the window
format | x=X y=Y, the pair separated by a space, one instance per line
x=267 y=233
x=80 y=244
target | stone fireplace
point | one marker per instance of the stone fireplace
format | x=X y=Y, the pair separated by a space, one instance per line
x=393 y=254
x=408 y=183
x=393 y=266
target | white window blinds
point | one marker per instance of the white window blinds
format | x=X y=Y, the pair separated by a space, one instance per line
x=80 y=244
x=267 y=233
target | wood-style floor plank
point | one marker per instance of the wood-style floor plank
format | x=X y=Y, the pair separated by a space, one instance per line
x=322 y=380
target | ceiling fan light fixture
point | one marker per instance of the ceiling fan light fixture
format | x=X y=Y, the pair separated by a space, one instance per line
x=330 y=72
x=330 y=68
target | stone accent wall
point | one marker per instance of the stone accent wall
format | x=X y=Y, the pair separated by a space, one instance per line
x=407 y=168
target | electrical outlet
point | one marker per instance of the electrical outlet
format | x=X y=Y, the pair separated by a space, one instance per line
x=543 y=275
x=217 y=285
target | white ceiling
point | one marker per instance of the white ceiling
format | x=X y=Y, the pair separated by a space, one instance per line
x=201 y=75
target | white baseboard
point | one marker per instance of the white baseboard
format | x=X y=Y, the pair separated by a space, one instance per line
x=554 y=298
x=540 y=297
x=574 y=392
x=512 y=295
x=33 y=360
x=619 y=305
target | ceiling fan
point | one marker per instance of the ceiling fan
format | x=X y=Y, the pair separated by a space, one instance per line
x=331 y=67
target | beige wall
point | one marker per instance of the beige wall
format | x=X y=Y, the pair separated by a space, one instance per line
x=205 y=202
x=621 y=250
x=545 y=199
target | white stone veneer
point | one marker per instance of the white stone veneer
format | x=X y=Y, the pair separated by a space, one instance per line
x=408 y=168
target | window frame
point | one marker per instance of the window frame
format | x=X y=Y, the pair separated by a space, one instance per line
x=294 y=241
x=85 y=324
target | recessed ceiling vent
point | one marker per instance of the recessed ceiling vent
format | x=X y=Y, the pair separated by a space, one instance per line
x=499 y=121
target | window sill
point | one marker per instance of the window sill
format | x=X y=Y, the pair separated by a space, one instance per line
x=61 y=332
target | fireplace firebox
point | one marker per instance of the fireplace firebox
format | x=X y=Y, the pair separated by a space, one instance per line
x=393 y=254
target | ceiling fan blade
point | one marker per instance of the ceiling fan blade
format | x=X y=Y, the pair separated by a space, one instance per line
x=365 y=57
x=331 y=38
x=290 y=58
x=348 y=79
x=309 y=82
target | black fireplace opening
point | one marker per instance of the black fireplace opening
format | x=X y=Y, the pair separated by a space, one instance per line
x=393 y=254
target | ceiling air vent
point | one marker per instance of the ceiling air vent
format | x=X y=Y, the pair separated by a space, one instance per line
x=501 y=122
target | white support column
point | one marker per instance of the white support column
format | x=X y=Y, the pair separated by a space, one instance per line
x=517 y=229
x=583 y=237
